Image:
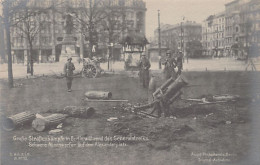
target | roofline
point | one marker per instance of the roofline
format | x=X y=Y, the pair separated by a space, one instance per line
x=231 y=2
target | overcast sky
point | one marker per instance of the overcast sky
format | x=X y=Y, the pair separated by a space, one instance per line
x=172 y=11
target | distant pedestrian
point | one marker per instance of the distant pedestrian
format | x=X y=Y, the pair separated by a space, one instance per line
x=179 y=63
x=169 y=65
x=68 y=71
x=144 y=66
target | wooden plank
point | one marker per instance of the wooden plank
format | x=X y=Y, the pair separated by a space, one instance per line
x=94 y=100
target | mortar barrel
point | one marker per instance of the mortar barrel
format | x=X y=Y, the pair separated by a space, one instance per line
x=175 y=97
x=12 y=122
x=98 y=95
x=163 y=86
x=41 y=124
x=174 y=87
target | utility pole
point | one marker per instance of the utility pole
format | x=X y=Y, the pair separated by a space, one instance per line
x=159 y=39
x=182 y=40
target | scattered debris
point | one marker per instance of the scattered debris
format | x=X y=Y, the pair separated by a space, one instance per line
x=96 y=100
x=173 y=117
x=228 y=122
x=56 y=132
x=112 y=119
x=41 y=124
x=143 y=113
x=225 y=97
x=59 y=126
x=214 y=99
x=12 y=122
x=208 y=115
x=18 y=85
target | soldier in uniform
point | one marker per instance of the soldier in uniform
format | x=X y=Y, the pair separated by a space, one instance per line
x=169 y=65
x=68 y=71
x=144 y=66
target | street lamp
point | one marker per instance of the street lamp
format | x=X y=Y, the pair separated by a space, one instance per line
x=182 y=39
x=159 y=40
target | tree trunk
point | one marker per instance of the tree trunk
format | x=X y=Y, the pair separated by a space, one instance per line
x=31 y=58
x=28 y=62
x=8 y=45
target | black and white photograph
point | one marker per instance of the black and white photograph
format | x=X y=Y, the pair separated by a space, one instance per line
x=129 y=82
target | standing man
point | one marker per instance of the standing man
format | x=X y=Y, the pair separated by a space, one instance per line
x=179 y=63
x=170 y=64
x=68 y=71
x=144 y=66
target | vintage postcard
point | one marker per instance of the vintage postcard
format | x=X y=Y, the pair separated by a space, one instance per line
x=130 y=82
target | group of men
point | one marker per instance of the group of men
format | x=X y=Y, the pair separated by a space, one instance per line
x=170 y=63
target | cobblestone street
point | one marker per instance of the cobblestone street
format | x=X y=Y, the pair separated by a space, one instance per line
x=221 y=64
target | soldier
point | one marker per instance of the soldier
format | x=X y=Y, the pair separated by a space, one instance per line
x=170 y=64
x=68 y=71
x=144 y=66
x=179 y=63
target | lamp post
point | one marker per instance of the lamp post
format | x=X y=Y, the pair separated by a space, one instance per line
x=182 y=40
x=159 y=39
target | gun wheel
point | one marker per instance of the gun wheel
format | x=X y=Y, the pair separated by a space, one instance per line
x=89 y=71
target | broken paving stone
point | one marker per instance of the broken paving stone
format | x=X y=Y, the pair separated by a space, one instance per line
x=112 y=119
x=60 y=125
x=56 y=132
x=228 y=122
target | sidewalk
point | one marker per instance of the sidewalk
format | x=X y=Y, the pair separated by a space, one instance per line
x=222 y=64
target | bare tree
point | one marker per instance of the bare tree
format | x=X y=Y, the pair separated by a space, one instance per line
x=89 y=16
x=28 y=21
x=101 y=18
x=9 y=7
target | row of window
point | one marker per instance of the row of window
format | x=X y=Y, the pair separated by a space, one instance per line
x=215 y=44
x=19 y=41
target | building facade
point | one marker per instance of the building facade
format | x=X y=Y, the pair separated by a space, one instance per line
x=233 y=32
x=213 y=35
x=48 y=40
x=242 y=25
x=176 y=37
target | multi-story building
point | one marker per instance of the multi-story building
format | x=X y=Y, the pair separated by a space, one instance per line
x=208 y=35
x=47 y=42
x=213 y=35
x=234 y=31
x=242 y=25
x=176 y=37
